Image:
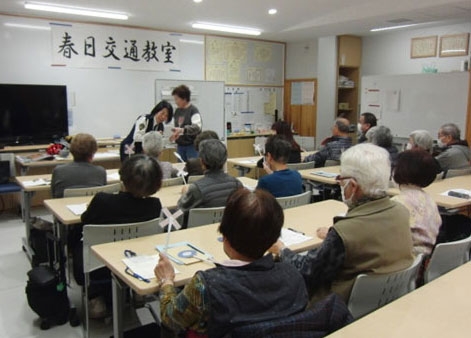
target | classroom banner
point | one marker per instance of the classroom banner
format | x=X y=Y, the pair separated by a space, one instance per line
x=92 y=46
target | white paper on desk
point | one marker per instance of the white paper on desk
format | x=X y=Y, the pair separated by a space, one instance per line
x=77 y=209
x=247 y=161
x=289 y=237
x=114 y=177
x=249 y=187
x=105 y=155
x=143 y=265
x=460 y=191
x=324 y=174
x=36 y=183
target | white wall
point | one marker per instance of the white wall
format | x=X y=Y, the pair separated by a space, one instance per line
x=107 y=101
x=326 y=86
x=301 y=60
x=389 y=53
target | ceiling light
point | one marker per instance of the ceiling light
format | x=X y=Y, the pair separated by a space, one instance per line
x=197 y=1
x=272 y=11
x=74 y=10
x=20 y=25
x=391 y=27
x=196 y=42
x=227 y=29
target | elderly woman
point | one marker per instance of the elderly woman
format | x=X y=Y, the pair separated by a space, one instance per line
x=382 y=137
x=152 y=145
x=81 y=173
x=455 y=152
x=373 y=237
x=420 y=139
x=249 y=287
x=193 y=166
x=415 y=170
x=213 y=189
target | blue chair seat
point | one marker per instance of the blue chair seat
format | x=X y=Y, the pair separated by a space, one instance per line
x=9 y=188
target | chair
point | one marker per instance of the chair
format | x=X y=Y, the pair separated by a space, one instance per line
x=99 y=234
x=301 y=166
x=169 y=182
x=193 y=179
x=203 y=216
x=325 y=317
x=331 y=163
x=295 y=201
x=91 y=191
x=9 y=187
x=370 y=292
x=446 y=257
x=456 y=172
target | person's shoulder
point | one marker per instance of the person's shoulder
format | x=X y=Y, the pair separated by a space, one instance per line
x=194 y=109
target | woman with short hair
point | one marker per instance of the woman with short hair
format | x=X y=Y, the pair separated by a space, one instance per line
x=420 y=139
x=81 y=173
x=415 y=170
x=248 y=288
x=152 y=145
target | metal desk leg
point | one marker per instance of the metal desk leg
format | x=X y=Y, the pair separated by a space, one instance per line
x=26 y=197
x=119 y=293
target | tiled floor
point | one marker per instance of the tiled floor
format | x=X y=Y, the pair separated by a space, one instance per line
x=17 y=320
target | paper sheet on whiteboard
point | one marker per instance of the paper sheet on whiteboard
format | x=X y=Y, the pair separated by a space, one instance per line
x=392 y=100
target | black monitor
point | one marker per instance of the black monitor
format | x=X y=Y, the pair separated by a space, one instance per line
x=32 y=114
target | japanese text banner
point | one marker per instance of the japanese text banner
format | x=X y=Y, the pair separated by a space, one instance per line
x=113 y=47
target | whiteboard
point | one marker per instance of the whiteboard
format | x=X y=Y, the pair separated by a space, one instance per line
x=207 y=96
x=405 y=103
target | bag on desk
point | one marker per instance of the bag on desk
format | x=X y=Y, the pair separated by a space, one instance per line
x=47 y=296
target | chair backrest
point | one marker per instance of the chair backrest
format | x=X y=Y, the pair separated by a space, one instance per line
x=91 y=191
x=203 y=216
x=370 y=292
x=172 y=181
x=295 y=201
x=331 y=163
x=193 y=179
x=10 y=157
x=301 y=166
x=446 y=257
x=94 y=234
x=456 y=172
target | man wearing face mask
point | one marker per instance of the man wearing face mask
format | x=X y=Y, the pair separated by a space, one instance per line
x=373 y=237
x=455 y=152
x=367 y=121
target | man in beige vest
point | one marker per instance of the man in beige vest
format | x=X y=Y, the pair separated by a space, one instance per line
x=373 y=237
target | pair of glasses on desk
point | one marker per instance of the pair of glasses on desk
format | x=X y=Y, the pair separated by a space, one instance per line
x=128 y=271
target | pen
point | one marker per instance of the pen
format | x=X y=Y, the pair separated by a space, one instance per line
x=298 y=232
x=196 y=249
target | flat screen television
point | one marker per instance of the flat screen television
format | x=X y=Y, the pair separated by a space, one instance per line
x=32 y=114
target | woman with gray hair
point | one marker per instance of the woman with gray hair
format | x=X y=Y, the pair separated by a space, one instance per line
x=420 y=139
x=382 y=137
x=373 y=237
x=152 y=145
x=213 y=189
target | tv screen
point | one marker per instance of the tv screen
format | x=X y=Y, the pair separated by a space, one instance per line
x=32 y=113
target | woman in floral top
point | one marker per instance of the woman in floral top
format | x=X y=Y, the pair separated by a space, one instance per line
x=415 y=170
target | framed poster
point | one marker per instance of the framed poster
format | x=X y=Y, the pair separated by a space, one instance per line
x=423 y=47
x=454 y=45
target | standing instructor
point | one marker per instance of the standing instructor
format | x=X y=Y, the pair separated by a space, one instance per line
x=187 y=123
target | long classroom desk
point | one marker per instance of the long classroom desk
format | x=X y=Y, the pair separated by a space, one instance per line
x=440 y=308
x=28 y=190
x=169 y=197
x=245 y=164
x=309 y=174
x=307 y=219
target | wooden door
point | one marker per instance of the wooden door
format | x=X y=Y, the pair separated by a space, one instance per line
x=302 y=115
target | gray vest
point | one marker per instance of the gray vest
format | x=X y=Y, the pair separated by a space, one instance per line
x=215 y=188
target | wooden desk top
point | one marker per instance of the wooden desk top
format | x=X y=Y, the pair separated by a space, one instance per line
x=47 y=177
x=251 y=161
x=307 y=219
x=169 y=197
x=438 y=309
x=437 y=188
x=100 y=156
x=102 y=142
x=307 y=174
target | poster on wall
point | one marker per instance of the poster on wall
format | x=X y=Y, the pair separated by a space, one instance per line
x=93 y=46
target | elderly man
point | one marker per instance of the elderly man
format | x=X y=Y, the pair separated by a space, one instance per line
x=455 y=154
x=214 y=188
x=338 y=143
x=382 y=137
x=152 y=145
x=367 y=121
x=373 y=237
